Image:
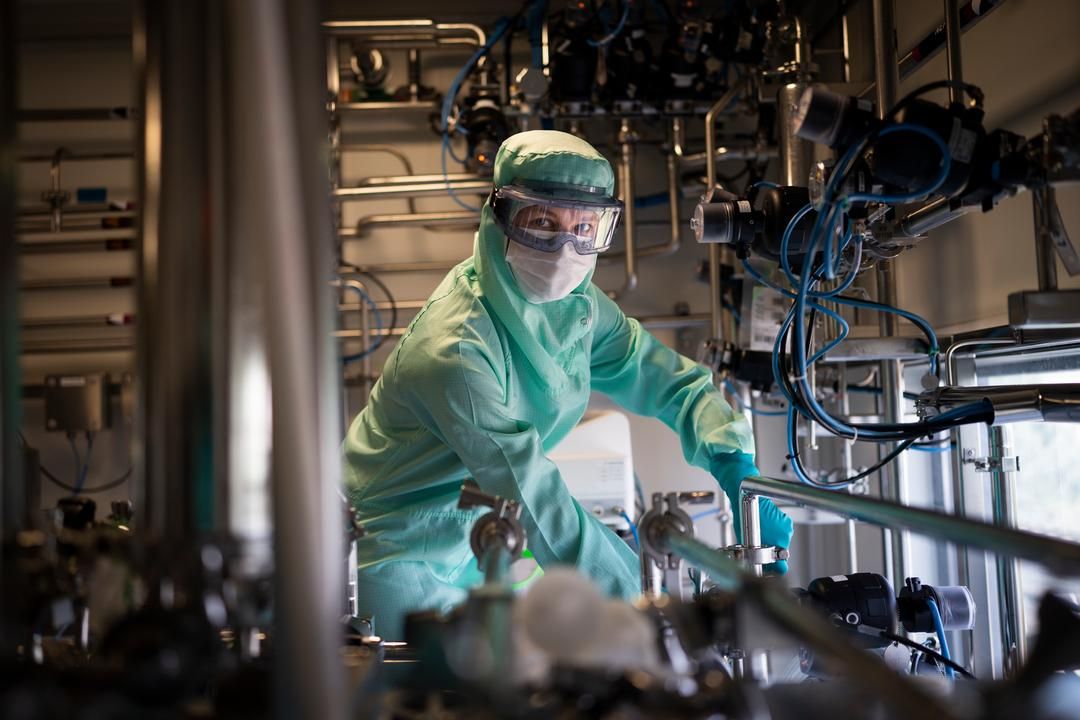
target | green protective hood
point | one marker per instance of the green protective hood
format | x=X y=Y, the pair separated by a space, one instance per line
x=547 y=334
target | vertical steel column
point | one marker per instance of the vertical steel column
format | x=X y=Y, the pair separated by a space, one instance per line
x=12 y=487
x=246 y=387
x=886 y=82
x=674 y=160
x=1044 y=204
x=173 y=438
x=283 y=40
x=751 y=525
x=1010 y=593
x=844 y=399
x=750 y=507
x=716 y=326
x=651 y=578
x=953 y=55
x=959 y=508
x=886 y=71
x=627 y=140
x=793 y=150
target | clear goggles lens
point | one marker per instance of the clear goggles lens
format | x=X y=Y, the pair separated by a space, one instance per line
x=546 y=222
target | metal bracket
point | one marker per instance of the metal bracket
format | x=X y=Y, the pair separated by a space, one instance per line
x=1009 y=463
x=1049 y=223
x=763 y=555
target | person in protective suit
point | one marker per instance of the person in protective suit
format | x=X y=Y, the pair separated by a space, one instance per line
x=495 y=370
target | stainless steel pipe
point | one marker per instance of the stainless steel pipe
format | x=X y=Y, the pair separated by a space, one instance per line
x=386 y=180
x=627 y=139
x=96 y=235
x=420 y=266
x=959 y=501
x=1010 y=591
x=724 y=153
x=710 y=136
x=79 y=157
x=1058 y=555
x=1044 y=204
x=408 y=33
x=78 y=347
x=652 y=578
x=450 y=218
x=419 y=28
x=716 y=310
x=173 y=421
x=1014 y=403
x=751 y=525
x=794 y=152
x=715 y=255
x=371 y=331
x=76 y=114
x=282 y=110
x=923 y=219
x=954 y=64
x=385 y=305
x=674 y=161
x=674 y=242
x=415 y=189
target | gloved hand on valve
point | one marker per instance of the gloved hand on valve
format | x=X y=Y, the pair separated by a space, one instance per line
x=776 y=527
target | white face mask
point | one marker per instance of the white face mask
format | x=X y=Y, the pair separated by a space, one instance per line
x=547 y=276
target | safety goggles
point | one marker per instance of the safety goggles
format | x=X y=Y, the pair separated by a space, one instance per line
x=547 y=218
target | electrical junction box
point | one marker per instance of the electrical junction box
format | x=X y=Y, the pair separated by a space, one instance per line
x=596 y=462
x=77 y=403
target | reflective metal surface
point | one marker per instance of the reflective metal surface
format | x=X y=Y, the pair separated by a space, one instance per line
x=1057 y=555
x=12 y=497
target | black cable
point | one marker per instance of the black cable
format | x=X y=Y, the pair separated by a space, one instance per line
x=893 y=454
x=71 y=488
x=938 y=657
x=972 y=90
x=97 y=488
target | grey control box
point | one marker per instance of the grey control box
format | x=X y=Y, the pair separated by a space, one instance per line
x=77 y=403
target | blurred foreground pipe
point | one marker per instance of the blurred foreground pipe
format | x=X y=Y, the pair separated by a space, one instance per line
x=282 y=38
x=12 y=495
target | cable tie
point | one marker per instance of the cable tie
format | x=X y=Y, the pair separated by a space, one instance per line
x=853 y=440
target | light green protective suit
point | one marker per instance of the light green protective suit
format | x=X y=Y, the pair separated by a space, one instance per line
x=482 y=385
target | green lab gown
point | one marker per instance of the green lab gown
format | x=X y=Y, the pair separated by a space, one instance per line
x=482 y=385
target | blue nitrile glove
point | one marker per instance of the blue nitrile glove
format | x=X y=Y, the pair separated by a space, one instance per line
x=729 y=469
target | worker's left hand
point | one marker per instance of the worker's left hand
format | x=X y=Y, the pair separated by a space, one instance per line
x=776 y=527
x=776 y=530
